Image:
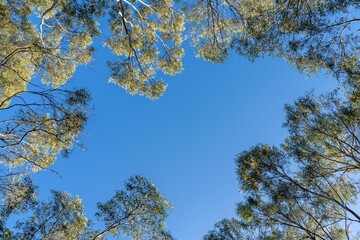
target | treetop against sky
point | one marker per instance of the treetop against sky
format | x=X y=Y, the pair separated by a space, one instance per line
x=184 y=140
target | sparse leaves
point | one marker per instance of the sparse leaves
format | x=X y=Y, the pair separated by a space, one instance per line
x=139 y=211
x=306 y=189
x=312 y=35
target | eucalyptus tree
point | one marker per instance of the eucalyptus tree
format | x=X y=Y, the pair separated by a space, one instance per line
x=308 y=188
x=312 y=35
x=228 y=229
x=35 y=127
x=147 y=38
x=41 y=45
x=51 y=38
x=139 y=211
x=43 y=42
x=43 y=124
x=47 y=41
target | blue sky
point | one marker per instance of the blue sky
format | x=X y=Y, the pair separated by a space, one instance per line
x=185 y=142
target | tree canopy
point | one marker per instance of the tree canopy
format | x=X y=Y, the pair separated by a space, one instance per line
x=138 y=211
x=310 y=34
x=51 y=38
x=306 y=188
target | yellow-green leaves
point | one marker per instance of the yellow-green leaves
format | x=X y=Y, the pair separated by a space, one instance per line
x=138 y=211
x=44 y=124
x=61 y=218
x=305 y=188
x=311 y=35
x=43 y=38
x=147 y=38
x=212 y=29
x=53 y=37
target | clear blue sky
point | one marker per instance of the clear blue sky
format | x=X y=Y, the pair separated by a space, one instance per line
x=185 y=142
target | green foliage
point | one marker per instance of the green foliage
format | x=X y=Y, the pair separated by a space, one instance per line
x=230 y=229
x=45 y=40
x=51 y=50
x=34 y=128
x=312 y=35
x=324 y=133
x=138 y=211
x=226 y=229
x=44 y=124
x=61 y=218
x=20 y=196
x=147 y=38
x=51 y=38
x=306 y=189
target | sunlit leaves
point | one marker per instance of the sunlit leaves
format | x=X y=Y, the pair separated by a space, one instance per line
x=321 y=161
x=51 y=38
x=51 y=46
x=307 y=188
x=44 y=124
x=61 y=218
x=312 y=35
x=45 y=40
x=212 y=28
x=147 y=38
x=138 y=211
x=326 y=129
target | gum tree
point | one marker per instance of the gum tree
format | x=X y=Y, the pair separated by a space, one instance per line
x=307 y=188
x=139 y=211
